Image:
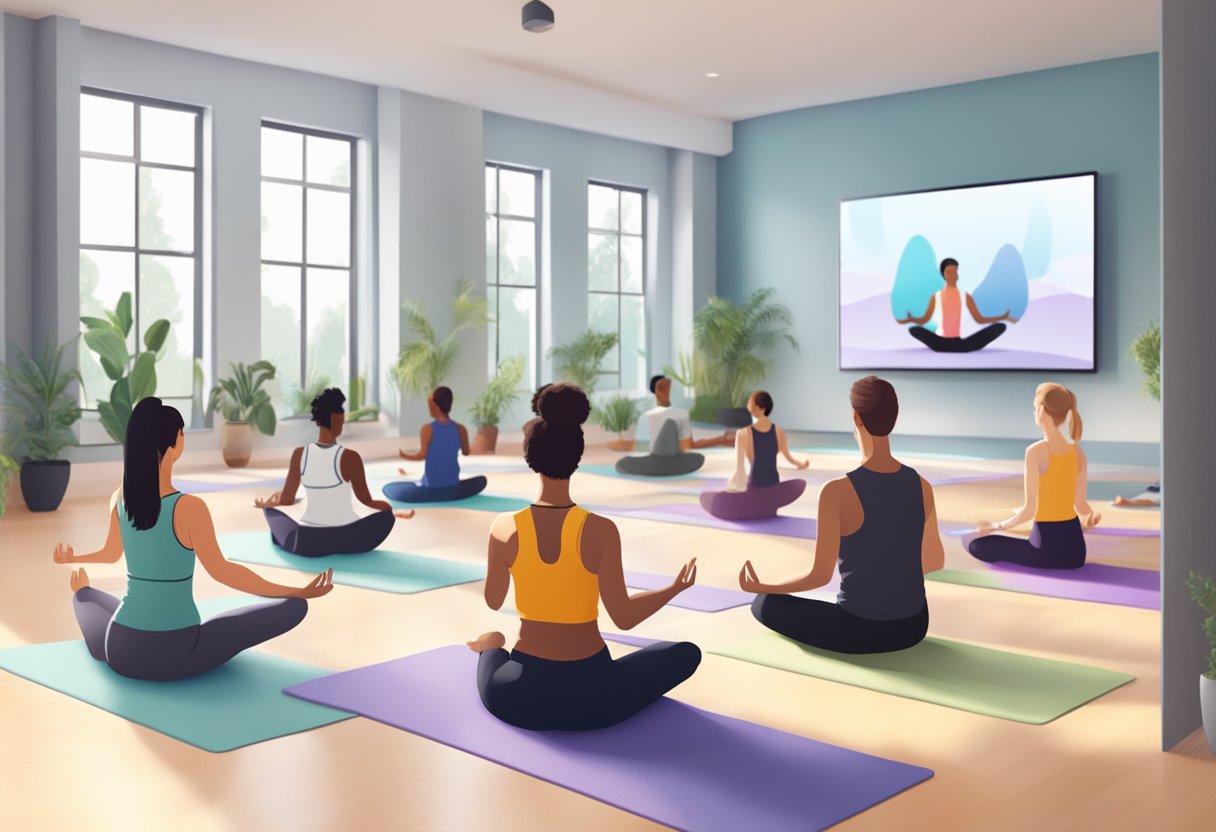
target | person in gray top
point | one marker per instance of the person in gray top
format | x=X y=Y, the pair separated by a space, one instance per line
x=880 y=523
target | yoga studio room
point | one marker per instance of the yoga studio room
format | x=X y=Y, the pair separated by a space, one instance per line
x=582 y=415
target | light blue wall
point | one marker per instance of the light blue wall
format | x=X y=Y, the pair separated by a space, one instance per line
x=778 y=196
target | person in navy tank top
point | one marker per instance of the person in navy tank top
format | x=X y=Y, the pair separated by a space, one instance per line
x=880 y=523
x=442 y=441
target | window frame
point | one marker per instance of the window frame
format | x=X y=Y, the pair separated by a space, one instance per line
x=197 y=253
x=537 y=219
x=353 y=267
x=619 y=293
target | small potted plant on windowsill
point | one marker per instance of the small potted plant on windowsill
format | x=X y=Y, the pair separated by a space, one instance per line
x=1203 y=590
x=619 y=414
x=501 y=392
x=245 y=406
x=42 y=418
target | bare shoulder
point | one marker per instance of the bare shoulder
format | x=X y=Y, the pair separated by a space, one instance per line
x=598 y=524
x=191 y=505
x=834 y=491
x=503 y=527
x=351 y=456
x=1036 y=449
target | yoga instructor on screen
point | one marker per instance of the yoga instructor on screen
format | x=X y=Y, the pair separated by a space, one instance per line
x=946 y=306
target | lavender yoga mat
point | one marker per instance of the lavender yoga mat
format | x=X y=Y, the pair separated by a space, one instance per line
x=690 y=514
x=1095 y=582
x=1103 y=531
x=674 y=764
x=697 y=597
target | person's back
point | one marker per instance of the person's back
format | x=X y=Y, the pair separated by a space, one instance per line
x=160 y=574
x=442 y=465
x=329 y=494
x=881 y=572
x=561 y=591
x=1058 y=487
x=764 y=458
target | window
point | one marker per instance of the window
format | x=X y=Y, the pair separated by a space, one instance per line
x=616 y=267
x=512 y=266
x=141 y=231
x=308 y=261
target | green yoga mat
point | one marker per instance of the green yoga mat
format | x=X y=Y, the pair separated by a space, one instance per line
x=964 y=676
x=478 y=502
x=234 y=705
x=380 y=569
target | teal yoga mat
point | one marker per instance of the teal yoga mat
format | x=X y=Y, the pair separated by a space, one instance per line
x=968 y=677
x=478 y=502
x=381 y=569
x=238 y=704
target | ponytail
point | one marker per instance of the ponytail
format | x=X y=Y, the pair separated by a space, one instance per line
x=151 y=431
x=1060 y=404
x=1074 y=424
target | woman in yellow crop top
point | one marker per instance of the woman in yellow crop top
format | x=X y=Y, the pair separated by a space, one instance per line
x=563 y=561
x=1055 y=494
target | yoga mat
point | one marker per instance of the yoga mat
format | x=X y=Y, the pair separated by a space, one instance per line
x=478 y=502
x=697 y=597
x=1101 y=531
x=968 y=677
x=632 y=641
x=188 y=486
x=609 y=470
x=690 y=514
x=1092 y=582
x=380 y=569
x=1108 y=490
x=234 y=705
x=674 y=764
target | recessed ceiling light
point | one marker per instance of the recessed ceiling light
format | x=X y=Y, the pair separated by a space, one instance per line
x=537 y=17
x=713 y=75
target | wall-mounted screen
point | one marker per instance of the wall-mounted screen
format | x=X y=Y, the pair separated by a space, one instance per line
x=986 y=277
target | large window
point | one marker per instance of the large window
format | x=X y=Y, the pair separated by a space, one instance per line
x=616 y=267
x=512 y=265
x=308 y=261
x=140 y=231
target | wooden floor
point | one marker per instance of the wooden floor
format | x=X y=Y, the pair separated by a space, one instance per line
x=66 y=765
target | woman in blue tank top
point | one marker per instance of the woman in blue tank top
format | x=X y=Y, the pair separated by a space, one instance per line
x=155 y=632
x=880 y=522
x=442 y=442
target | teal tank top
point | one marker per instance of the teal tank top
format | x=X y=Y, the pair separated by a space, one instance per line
x=160 y=574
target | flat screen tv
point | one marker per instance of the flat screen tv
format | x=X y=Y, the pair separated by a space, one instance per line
x=997 y=276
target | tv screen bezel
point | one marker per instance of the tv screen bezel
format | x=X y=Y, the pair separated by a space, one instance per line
x=1097 y=271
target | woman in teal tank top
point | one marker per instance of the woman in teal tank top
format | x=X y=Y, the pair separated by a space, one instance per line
x=155 y=632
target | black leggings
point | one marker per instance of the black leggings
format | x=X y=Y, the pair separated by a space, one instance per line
x=363 y=535
x=1052 y=545
x=831 y=627
x=971 y=343
x=583 y=695
x=165 y=655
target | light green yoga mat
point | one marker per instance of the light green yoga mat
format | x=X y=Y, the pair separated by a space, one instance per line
x=237 y=704
x=478 y=502
x=381 y=569
x=964 y=676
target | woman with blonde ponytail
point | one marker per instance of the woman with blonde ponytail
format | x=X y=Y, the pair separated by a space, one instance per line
x=1056 y=473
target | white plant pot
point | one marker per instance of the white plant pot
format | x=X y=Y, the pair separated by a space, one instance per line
x=1207 y=704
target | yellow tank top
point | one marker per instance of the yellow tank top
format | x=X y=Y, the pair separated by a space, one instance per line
x=563 y=592
x=1058 y=488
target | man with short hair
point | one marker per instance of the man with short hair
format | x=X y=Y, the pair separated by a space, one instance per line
x=664 y=410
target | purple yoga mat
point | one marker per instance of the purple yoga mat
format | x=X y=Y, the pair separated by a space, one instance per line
x=632 y=641
x=1103 y=531
x=693 y=515
x=697 y=597
x=674 y=764
x=188 y=486
x=1097 y=582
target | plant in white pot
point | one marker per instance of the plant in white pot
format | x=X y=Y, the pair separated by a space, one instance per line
x=501 y=392
x=619 y=414
x=41 y=422
x=245 y=407
x=1203 y=590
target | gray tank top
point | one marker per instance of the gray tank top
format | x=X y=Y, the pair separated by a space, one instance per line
x=881 y=577
x=764 y=458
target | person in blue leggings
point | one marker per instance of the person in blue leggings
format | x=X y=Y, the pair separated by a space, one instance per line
x=442 y=442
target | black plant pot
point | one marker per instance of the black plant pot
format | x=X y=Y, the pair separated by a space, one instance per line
x=43 y=483
x=734 y=417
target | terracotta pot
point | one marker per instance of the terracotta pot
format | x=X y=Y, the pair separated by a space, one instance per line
x=485 y=441
x=622 y=444
x=236 y=444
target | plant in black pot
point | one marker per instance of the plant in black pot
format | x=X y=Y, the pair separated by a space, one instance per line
x=736 y=344
x=8 y=467
x=41 y=422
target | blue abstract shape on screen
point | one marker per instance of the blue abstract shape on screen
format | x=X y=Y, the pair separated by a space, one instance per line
x=916 y=279
x=865 y=220
x=1036 y=251
x=1005 y=286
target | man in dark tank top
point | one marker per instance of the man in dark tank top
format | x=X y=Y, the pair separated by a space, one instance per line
x=880 y=523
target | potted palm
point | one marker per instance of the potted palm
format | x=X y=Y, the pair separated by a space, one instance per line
x=42 y=418
x=359 y=409
x=8 y=467
x=425 y=362
x=619 y=414
x=1146 y=350
x=579 y=361
x=500 y=393
x=245 y=406
x=736 y=344
x=1203 y=590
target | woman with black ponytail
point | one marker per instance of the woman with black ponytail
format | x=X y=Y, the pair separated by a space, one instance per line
x=155 y=632
x=563 y=561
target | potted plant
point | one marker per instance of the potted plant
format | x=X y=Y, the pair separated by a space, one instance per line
x=736 y=343
x=1203 y=590
x=301 y=397
x=500 y=393
x=1146 y=349
x=579 y=361
x=360 y=410
x=245 y=406
x=618 y=415
x=41 y=423
x=424 y=363
x=8 y=467
x=134 y=376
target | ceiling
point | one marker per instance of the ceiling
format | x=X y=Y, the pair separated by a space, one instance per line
x=636 y=68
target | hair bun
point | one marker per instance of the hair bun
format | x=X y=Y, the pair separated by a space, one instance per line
x=563 y=406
